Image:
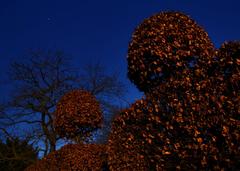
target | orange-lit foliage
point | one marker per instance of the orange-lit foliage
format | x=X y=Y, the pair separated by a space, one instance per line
x=190 y=117
x=163 y=43
x=227 y=78
x=77 y=114
x=73 y=157
x=125 y=143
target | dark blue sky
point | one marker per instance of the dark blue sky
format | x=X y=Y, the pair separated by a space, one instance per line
x=99 y=30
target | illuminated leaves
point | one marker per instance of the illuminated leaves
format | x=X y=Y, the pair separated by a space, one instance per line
x=77 y=114
x=161 y=45
x=73 y=157
x=151 y=140
x=190 y=117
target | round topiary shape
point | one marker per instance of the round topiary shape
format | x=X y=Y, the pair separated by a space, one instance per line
x=77 y=113
x=164 y=43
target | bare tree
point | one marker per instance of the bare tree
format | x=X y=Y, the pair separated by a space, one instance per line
x=106 y=87
x=41 y=80
x=1 y=112
x=39 y=83
x=4 y=133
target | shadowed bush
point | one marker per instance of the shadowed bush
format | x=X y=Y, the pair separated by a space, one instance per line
x=16 y=154
x=73 y=157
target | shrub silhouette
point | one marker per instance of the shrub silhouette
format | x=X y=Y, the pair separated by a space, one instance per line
x=16 y=154
x=188 y=119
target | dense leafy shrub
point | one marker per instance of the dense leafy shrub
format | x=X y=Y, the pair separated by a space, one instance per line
x=73 y=157
x=164 y=43
x=78 y=113
x=189 y=117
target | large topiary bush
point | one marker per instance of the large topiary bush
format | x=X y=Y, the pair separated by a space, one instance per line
x=189 y=117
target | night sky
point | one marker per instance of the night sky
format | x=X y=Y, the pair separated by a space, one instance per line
x=98 y=30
